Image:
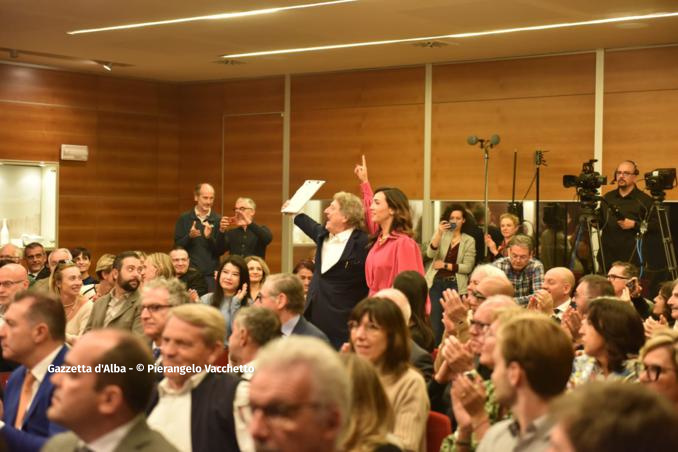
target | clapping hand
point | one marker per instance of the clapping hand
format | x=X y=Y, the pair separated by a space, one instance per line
x=194 y=231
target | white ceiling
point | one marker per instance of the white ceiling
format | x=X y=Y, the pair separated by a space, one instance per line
x=187 y=51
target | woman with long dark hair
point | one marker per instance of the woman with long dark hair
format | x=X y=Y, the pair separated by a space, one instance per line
x=453 y=252
x=389 y=220
x=414 y=286
x=231 y=291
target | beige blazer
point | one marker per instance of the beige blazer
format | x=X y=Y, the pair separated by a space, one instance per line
x=466 y=258
x=127 y=318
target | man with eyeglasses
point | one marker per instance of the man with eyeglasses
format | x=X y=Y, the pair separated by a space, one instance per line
x=624 y=279
x=196 y=407
x=659 y=365
x=158 y=296
x=247 y=238
x=632 y=207
x=56 y=256
x=13 y=279
x=525 y=273
x=10 y=253
x=194 y=232
x=36 y=260
x=306 y=411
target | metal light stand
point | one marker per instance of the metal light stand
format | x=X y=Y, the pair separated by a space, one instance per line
x=485 y=146
x=538 y=161
x=588 y=223
x=665 y=230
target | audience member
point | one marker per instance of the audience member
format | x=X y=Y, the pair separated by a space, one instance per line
x=192 y=277
x=66 y=284
x=414 y=286
x=454 y=253
x=304 y=270
x=589 y=287
x=509 y=225
x=56 y=256
x=558 y=284
x=10 y=253
x=380 y=335
x=13 y=279
x=105 y=410
x=283 y=294
x=479 y=273
x=338 y=283
x=194 y=233
x=33 y=335
x=389 y=220
x=36 y=262
x=120 y=308
x=157 y=298
x=195 y=407
x=247 y=238
x=258 y=272
x=661 y=310
x=420 y=359
x=104 y=271
x=659 y=365
x=613 y=417
x=624 y=279
x=532 y=364
x=312 y=400
x=525 y=273
x=158 y=265
x=232 y=289
x=371 y=418
x=612 y=334
x=82 y=258
x=673 y=302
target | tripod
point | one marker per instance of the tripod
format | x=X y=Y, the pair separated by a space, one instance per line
x=658 y=206
x=588 y=224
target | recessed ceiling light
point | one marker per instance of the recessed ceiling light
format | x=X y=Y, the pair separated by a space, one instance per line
x=222 y=16
x=456 y=35
x=430 y=44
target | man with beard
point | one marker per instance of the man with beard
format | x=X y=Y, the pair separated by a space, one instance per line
x=120 y=308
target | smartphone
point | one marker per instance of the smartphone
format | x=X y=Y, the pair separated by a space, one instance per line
x=631 y=284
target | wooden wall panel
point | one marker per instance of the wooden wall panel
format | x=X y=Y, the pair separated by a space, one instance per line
x=508 y=79
x=641 y=70
x=641 y=126
x=254 y=96
x=326 y=144
x=561 y=125
x=358 y=89
x=253 y=168
x=25 y=84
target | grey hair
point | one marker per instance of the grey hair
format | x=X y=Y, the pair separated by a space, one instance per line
x=174 y=287
x=489 y=270
x=249 y=201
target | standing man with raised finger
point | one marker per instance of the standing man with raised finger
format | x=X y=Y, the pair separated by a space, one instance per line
x=194 y=231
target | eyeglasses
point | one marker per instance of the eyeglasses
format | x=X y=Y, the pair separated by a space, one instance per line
x=65 y=262
x=613 y=277
x=482 y=326
x=241 y=209
x=515 y=257
x=624 y=173
x=274 y=412
x=653 y=371
x=370 y=327
x=153 y=308
x=9 y=284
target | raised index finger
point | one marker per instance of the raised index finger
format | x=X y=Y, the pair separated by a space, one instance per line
x=364 y=163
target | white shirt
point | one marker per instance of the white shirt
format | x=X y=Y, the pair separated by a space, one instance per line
x=560 y=309
x=333 y=248
x=39 y=371
x=242 y=398
x=110 y=441
x=172 y=415
x=288 y=326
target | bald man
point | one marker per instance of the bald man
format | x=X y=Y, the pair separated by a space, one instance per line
x=558 y=282
x=13 y=279
x=493 y=285
x=419 y=358
x=10 y=253
x=56 y=256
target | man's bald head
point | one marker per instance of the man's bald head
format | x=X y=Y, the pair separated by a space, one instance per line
x=399 y=299
x=496 y=285
x=15 y=277
x=559 y=282
x=59 y=254
x=11 y=253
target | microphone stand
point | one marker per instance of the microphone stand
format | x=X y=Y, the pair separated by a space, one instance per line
x=538 y=161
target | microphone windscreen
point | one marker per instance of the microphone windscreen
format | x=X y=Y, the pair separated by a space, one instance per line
x=494 y=139
x=472 y=140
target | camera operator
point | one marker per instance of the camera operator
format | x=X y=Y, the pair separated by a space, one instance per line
x=622 y=212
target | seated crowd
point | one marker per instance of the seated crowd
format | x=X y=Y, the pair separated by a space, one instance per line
x=360 y=349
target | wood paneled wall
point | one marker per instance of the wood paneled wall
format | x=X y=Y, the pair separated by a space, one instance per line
x=641 y=110
x=537 y=103
x=125 y=195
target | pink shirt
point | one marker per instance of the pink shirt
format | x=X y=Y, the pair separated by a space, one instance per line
x=385 y=260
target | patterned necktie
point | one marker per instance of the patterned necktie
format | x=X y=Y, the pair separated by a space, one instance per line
x=26 y=392
x=156 y=353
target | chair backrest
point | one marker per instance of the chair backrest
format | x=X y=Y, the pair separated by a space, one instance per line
x=438 y=427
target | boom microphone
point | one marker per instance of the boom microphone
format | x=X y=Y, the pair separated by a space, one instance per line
x=492 y=142
x=473 y=140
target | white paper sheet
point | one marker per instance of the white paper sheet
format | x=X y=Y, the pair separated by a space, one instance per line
x=303 y=195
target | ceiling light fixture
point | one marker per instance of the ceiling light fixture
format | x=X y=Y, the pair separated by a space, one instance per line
x=222 y=16
x=454 y=36
x=107 y=66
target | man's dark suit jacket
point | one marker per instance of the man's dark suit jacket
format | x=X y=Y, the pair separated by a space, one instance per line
x=421 y=360
x=332 y=295
x=212 y=423
x=194 y=280
x=36 y=428
x=42 y=274
x=306 y=328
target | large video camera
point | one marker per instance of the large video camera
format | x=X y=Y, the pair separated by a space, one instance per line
x=587 y=183
x=659 y=180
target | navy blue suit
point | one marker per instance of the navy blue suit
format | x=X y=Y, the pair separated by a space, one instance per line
x=333 y=294
x=36 y=428
x=306 y=328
